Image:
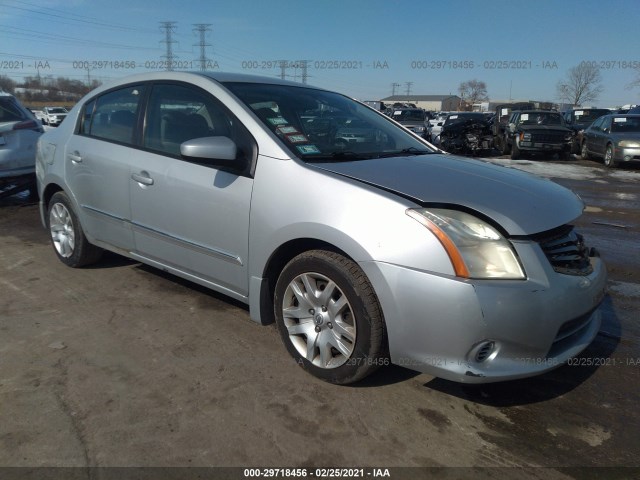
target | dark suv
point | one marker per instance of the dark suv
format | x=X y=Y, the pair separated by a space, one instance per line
x=537 y=131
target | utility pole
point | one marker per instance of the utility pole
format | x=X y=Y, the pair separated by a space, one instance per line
x=88 y=77
x=408 y=84
x=169 y=30
x=393 y=88
x=283 y=69
x=305 y=75
x=202 y=29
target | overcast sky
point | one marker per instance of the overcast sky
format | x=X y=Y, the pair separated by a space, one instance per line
x=358 y=47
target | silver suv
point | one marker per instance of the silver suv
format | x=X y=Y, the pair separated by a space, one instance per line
x=364 y=252
x=19 y=133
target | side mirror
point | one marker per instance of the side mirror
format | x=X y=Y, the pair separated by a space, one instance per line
x=220 y=151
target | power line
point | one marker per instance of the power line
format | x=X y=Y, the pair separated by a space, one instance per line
x=89 y=22
x=51 y=37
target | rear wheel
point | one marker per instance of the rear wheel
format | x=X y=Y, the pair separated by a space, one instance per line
x=329 y=317
x=608 y=157
x=68 y=239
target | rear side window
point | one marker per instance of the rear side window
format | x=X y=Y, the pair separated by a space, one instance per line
x=9 y=111
x=112 y=116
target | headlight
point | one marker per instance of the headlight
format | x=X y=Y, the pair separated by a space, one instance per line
x=476 y=249
x=629 y=144
x=525 y=136
x=568 y=137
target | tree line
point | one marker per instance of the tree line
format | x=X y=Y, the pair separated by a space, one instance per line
x=35 y=89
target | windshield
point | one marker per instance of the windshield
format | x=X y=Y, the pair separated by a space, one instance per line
x=320 y=125
x=57 y=110
x=588 y=116
x=408 y=115
x=463 y=117
x=540 y=118
x=626 y=124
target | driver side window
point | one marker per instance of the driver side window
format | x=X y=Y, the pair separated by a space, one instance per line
x=179 y=113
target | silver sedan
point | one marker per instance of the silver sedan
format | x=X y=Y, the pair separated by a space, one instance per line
x=364 y=253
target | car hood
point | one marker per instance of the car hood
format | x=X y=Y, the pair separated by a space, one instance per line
x=521 y=203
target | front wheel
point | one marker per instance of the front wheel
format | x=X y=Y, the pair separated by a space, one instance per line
x=515 y=151
x=329 y=318
x=67 y=237
x=608 y=157
x=505 y=150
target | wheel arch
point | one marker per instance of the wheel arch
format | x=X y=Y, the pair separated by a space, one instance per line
x=276 y=263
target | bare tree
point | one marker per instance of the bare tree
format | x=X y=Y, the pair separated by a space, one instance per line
x=583 y=84
x=473 y=91
x=635 y=83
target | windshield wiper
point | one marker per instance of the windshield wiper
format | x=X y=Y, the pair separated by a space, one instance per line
x=342 y=155
x=406 y=151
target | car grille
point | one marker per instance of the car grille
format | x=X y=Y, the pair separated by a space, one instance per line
x=566 y=251
x=547 y=137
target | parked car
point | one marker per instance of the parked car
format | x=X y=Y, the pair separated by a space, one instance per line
x=614 y=138
x=537 y=131
x=500 y=121
x=19 y=133
x=386 y=252
x=434 y=127
x=53 y=116
x=415 y=119
x=578 y=120
x=466 y=133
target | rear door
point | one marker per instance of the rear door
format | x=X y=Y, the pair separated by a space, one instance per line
x=189 y=215
x=97 y=159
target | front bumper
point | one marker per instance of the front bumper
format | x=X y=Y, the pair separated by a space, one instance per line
x=626 y=154
x=439 y=325
x=544 y=147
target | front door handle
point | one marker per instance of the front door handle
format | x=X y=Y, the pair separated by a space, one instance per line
x=75 y=157
x=142 y=178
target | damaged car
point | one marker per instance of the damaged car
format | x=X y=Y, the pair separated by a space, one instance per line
x=381 y=251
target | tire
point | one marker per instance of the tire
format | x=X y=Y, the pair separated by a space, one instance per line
x=67 y=237
x=515 y=151
x=506 y=149
x=584 y=153
x=609 y=161
x=346 y=319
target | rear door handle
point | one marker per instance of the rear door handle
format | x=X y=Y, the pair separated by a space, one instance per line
x=142 y=178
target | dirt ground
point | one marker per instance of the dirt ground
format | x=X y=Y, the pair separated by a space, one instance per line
x=122 y=365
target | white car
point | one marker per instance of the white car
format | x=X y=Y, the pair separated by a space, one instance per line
x=19 y=133
x=435 y=127
x=54 y=115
